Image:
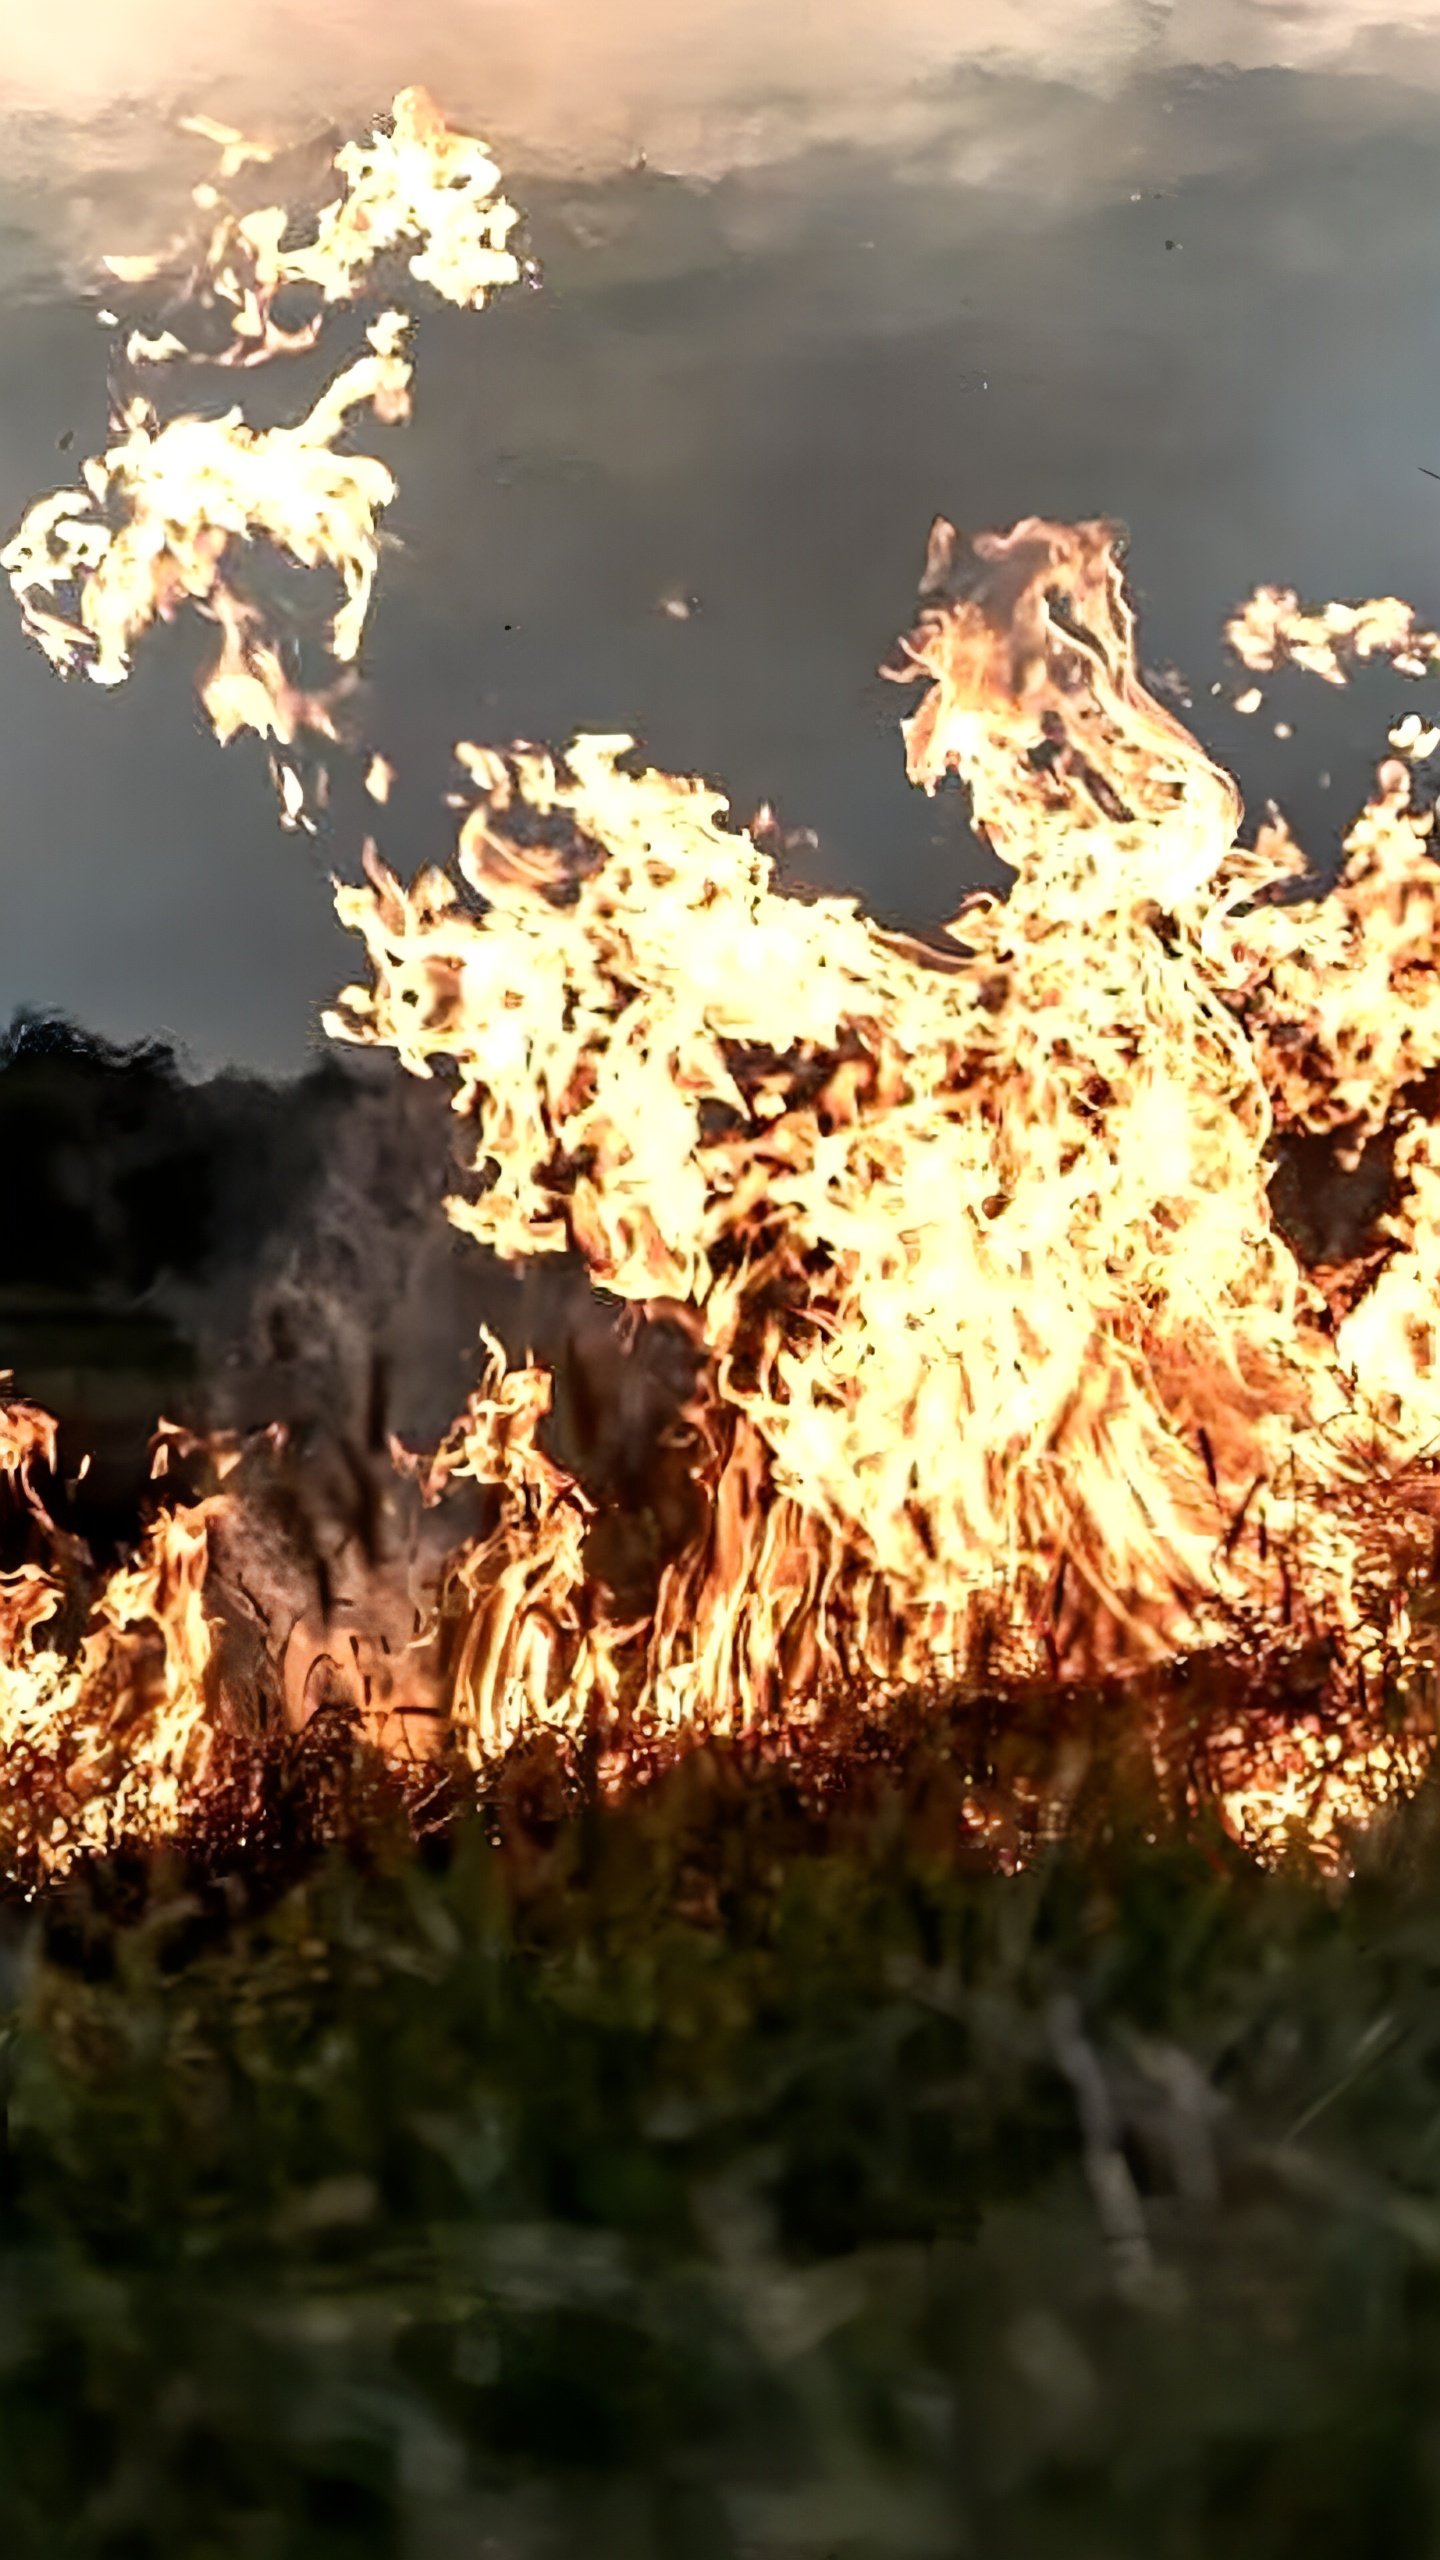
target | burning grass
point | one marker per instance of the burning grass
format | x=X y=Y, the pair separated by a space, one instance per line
x=1004 y=1376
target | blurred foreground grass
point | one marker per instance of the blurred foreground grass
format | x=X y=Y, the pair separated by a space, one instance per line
x=714 y=2176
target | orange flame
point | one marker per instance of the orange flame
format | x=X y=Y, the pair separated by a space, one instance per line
x=164 y=512
x=119 y=1720
x=1003 y=1346
x=416 y=186
x=1273 y=629
x=1003 y=1358
x=1004 y=1362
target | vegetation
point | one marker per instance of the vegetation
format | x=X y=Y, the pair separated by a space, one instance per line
x=743 y=2169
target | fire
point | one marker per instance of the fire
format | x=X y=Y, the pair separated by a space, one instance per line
x=1273 y=629
x=109 y=1735
x=1003 y=1356
x=1004 y=1365
x=165 y=513
x=184 y=493
x=415 y=186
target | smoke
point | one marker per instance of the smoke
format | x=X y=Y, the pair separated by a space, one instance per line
x=236 y=1254
x=230 y=1252
x=560 y=83
x=582 y=86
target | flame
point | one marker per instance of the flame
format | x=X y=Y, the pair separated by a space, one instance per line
x=1004 y=1354
x=416 y=185
x=1273 y=629
x=1005 y=1367
x=164 y=513
x=108 y=1733
x=183 y=493
x=1002 y=1358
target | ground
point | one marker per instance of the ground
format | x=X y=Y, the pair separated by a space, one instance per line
x=736 y=2171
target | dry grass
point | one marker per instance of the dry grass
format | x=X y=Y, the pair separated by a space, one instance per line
x=747 y=2166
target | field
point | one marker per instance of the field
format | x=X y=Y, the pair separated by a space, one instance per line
x=739 y=2170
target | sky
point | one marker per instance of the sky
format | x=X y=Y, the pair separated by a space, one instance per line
x=811 y=276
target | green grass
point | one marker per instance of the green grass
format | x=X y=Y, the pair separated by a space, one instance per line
x=725 y=2174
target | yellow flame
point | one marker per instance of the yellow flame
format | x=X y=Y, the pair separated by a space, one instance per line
x=1003 y=1358
x=1001 y=1339
x=164 y=514
x=416 y=186
x=1003 y=1361
x=119 y=1722
x=1273 y=629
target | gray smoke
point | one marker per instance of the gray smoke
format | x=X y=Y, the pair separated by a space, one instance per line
x=585 y=89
